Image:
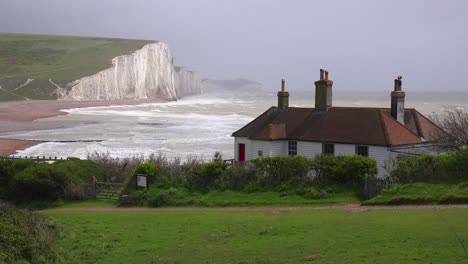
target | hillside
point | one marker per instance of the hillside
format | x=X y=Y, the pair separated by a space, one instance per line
x=32 y=66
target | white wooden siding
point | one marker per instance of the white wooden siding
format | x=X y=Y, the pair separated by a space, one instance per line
x=308 y=149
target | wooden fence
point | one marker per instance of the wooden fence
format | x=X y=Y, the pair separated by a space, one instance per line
x=375 y=186
x=33 y=158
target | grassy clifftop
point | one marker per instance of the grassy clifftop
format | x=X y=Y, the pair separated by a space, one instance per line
x=32 y=65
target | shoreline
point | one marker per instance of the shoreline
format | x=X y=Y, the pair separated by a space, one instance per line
x=18 y=116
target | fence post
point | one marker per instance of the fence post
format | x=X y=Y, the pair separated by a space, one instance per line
x=94 y=194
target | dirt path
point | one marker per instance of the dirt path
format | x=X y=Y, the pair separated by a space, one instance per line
x=346 y=207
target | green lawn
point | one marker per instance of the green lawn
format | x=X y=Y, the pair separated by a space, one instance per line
x=62 y=59
x=376 y=236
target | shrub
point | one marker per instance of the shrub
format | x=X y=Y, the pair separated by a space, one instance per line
x=8 y=169
x=27 y=237
x=452 y=166
x=351 y=169
x=282 y=170
x=40 y=182
x=147 y=168
x=25 y=180
x=208 y=175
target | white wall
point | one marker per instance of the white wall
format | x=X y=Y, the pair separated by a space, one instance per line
x=308 y=149
x=269 y=148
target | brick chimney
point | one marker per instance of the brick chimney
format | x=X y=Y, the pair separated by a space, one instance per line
x=283 y=97
x=323 y=92
x=397 y=110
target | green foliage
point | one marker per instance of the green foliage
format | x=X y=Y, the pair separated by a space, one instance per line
x=452 y=166
x=208 y=175
x=351 y=168
x=282 y=170
x=422 y=193
x=147 y=168
x=8 y=169
x=285 y=176
x=27 y=237
x=26 y=181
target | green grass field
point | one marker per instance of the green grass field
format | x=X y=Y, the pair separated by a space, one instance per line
x=202 y=236
x=62 y=59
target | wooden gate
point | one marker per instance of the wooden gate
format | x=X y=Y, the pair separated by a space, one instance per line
x=108 y=190
x=103 y=190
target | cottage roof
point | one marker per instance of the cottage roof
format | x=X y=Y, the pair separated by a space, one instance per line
x=352 y=125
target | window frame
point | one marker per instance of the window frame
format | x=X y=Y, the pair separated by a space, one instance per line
x=324 y=149
x=292 y=148
x=361 y=153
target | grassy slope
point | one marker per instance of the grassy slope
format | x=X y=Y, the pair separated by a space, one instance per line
x=60 y=58
x=423 y=193
x=381 y=236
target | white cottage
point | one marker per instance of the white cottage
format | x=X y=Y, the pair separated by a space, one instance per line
x=379 y=133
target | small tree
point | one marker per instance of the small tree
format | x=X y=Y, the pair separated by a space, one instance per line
x=455 y=123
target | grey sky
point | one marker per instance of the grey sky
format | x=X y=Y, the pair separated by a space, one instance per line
x=364 y=44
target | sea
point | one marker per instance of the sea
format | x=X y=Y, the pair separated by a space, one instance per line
x=197 y=126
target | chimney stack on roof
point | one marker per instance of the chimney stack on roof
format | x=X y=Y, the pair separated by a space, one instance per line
x=397 y=110
x=323 y=92
x=283 y=97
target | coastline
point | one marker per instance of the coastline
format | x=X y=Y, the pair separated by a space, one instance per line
x=20 y=116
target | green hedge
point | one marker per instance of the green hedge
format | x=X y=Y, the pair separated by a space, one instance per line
x=25 y=181
x=452 y=166
x=27 y=237
x=284 y=175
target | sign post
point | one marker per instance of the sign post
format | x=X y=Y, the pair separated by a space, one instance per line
x=142 y=181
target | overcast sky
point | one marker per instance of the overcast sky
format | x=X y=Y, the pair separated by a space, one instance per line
x=364 y=44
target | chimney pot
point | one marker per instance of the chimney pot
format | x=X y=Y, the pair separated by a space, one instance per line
x=283 y=85
x=321 y=74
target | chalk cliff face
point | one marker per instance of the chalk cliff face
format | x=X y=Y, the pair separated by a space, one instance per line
x=147 y=73
x=186 y=82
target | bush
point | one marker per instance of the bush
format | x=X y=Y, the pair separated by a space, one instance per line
x=8 y=169
x=208 y=175
x=25 y=180
x=40 y=182
x=27 y=237
x=147 y=168
x=282 y=170
x=452 y=166
x=351 y=169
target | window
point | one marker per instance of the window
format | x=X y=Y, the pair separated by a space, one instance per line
x=328 y=149
x=362 y=150
x=292 y=148
x=260 y=153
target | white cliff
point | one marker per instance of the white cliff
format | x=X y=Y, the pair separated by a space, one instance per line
x=146 y=73
x=187 y=82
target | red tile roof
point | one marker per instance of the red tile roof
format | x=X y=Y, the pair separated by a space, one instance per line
x=369 y=126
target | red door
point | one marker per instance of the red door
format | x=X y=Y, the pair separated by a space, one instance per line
x=241 y=152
